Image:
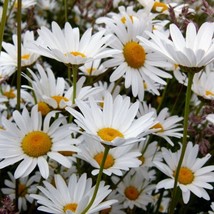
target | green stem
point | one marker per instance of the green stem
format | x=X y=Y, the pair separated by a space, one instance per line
x=19 y=21
x=107 y=148
x=66 y=10
x=3 y=21
x=75 y=71
x=184 y=140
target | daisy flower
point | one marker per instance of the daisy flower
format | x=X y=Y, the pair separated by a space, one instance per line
x=118 y=158
x=47 y=4
x=194 y=51
x=115 y=123
x=9 y=58
x=192 y=176
x=203 y=84
x=32 y=140
x=167 y=126
x=72 y=197
x=138 y=64
x=67 y=47
x=93 y=68
x=52 y=92
x=26 y=186
x=136 y=191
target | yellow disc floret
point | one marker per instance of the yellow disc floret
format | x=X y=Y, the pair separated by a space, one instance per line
x=134 y=54
x=131 y=193
x=186 y=176
x=58 y=99
x=43 y=108
x=9 y=94
x=36 y=143
x=109 y=162
x=158 y=126
x=209 y=93
x=25 y=56
x=72 y=207
x=109 y=134
x=159 y=7
x=76 y=53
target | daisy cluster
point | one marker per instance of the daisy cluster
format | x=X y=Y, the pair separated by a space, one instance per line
x=93 y=117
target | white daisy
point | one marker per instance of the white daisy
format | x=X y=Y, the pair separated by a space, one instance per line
x=118 y=158
x=192 y=176
x=72 y=197
x=32 y=140
x=115 y=123
x=67 y=47
x=133 y=61
x=167 y=126
x=136 y=190
x=93 y=68
x=55 y=92
x=26 y=186
x=25 y=4
x=195 y=51
x=203 y=84
x=9 y=58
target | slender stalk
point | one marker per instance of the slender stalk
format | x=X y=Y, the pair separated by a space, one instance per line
x=19 y=19
x=75 y=71
x=184 y=141
x=107 y=148
x=66 y=10
x=3 y=21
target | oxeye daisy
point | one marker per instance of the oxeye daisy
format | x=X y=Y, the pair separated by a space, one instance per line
x=138 y=64
x=25 y=4
x=93 y=68
x=67 y=47
x=193 y=177
x=167 y=126
x=135 y=190
x=52 y=92
x=212 y=207
x=30 y=140
x=115 y=123
x=118 y=158
x=9 y=58
x=203 y=84
x=72 y=197
x=195 y=51
x=26 y=186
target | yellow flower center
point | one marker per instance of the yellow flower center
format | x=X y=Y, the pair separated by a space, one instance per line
x=9 y=94
x=25 y=56
x=185 y=176
x=123 y=19
x=109 y=134
x=43 y=108
x=22 y=190
x=159 y=7
x=59 y=98
x=131 y=193
x=158 y=126
x=76 y=53
x=72 y=207
x=134 y=54
x=109 y=162
x=142 y=159
x=90 y=70
x=36 y=143
x=209 y=93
